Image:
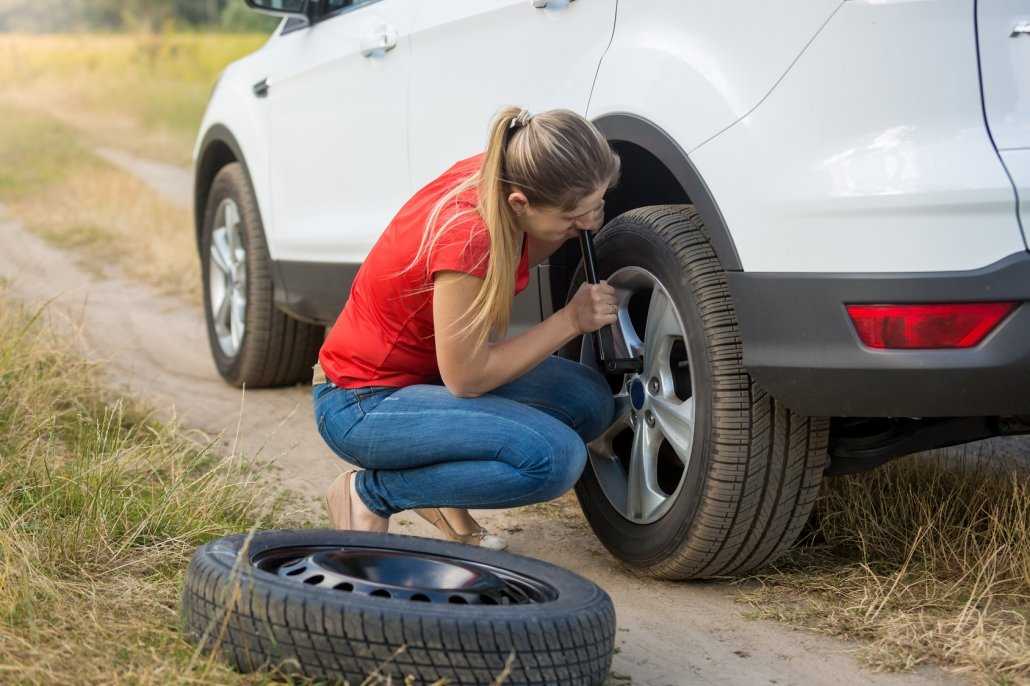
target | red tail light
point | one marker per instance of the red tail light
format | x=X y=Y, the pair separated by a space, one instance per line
x=951 y=325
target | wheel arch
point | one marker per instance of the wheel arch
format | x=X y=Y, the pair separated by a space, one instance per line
x=218 y=148
x=655 y=171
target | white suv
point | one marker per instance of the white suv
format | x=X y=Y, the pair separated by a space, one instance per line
x=818 y=236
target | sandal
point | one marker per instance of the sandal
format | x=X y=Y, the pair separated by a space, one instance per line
x=438 y=517
x=337 y=501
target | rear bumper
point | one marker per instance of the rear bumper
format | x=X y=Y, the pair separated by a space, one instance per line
x=800 y=344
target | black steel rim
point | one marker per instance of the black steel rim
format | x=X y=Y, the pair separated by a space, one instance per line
x=403 y=575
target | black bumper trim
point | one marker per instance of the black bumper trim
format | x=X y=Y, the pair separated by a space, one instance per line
x=312 y=291
x=800 y=344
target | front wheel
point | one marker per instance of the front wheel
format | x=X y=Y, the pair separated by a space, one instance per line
x=703 y=473
x=252 y=342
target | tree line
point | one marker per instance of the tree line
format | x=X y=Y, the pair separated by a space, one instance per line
x=39 y=16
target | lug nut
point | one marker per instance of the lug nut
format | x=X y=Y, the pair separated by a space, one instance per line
x=653 y=385
x=649 y=418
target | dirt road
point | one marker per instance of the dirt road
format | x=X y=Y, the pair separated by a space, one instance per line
x=155 y=346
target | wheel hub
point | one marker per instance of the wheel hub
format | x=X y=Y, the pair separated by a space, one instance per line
x=636 y=393
x=641 y=460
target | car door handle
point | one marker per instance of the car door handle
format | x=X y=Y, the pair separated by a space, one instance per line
x=1020 y=29
x=552 y=4
x=381 y=40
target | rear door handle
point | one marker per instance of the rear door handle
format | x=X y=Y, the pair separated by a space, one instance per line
x=1022 y=28
x=379 y=41
x=551 y=4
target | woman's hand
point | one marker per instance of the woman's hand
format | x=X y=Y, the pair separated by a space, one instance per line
x=593 y=306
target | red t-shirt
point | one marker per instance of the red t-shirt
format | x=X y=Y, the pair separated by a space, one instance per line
x=384 y=335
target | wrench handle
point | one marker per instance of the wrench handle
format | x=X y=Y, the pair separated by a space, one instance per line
x=603 y=342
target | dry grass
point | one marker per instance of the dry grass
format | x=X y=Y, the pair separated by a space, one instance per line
x=61 y=191
x=923 y=561
x=145 y=93
x=100 y=509
x=62 y=95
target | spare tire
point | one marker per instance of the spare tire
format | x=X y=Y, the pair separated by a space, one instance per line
x=344 y=605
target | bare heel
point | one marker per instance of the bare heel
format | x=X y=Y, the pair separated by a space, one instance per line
x=438 y=517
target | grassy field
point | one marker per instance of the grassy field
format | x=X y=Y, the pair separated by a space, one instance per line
x=52 y=181
x=100 y=509
x=145 y=93
x=63 y=95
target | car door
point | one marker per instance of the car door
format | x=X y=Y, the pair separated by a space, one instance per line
x=337 y=121
x=1004 y=41
x=472 y=57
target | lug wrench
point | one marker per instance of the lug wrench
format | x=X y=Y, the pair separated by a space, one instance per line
x=604 y=338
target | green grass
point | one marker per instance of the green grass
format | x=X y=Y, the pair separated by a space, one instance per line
x=36 y=151
x=101 y=507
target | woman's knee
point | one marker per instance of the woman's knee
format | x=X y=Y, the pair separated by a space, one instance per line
x=553 y=462
x=594 y=403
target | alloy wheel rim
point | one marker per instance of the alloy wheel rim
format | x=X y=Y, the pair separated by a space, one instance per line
x=641 y=460
x=227 y=277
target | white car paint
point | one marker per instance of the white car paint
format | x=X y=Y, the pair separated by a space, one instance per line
x=1018 y=164
x=337 y=131
x=871 y=155
x=231 y=106
x=1003 y=27
x=693 y=67
x=834 y=136
x=472 y=57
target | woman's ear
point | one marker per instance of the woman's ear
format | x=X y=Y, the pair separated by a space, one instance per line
x=518 y=203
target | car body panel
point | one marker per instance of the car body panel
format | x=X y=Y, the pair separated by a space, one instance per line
x=861 y=161
x=1003 y=29
x=1003 y=32
x=693 y=67
x=1018 y=164
x=336 y=119
x=233 y=108
x=472 y=57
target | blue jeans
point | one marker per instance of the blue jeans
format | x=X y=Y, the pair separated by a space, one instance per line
x=421 y=446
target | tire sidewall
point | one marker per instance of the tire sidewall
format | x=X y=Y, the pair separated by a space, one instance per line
x=627 y=241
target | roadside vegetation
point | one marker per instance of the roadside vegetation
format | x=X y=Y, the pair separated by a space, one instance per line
x=62 y=191
x=63 y=95
x=142 y=92
x=922 y=561
x=100 y=510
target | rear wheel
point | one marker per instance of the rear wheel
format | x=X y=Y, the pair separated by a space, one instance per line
x=253 y=343
x=703 y=473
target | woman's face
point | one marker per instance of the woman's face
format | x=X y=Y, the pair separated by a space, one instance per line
x=553 y=225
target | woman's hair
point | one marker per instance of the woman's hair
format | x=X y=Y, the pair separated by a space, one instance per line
x=555 y=158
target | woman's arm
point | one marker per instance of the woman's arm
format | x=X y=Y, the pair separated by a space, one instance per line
x=468 y=371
